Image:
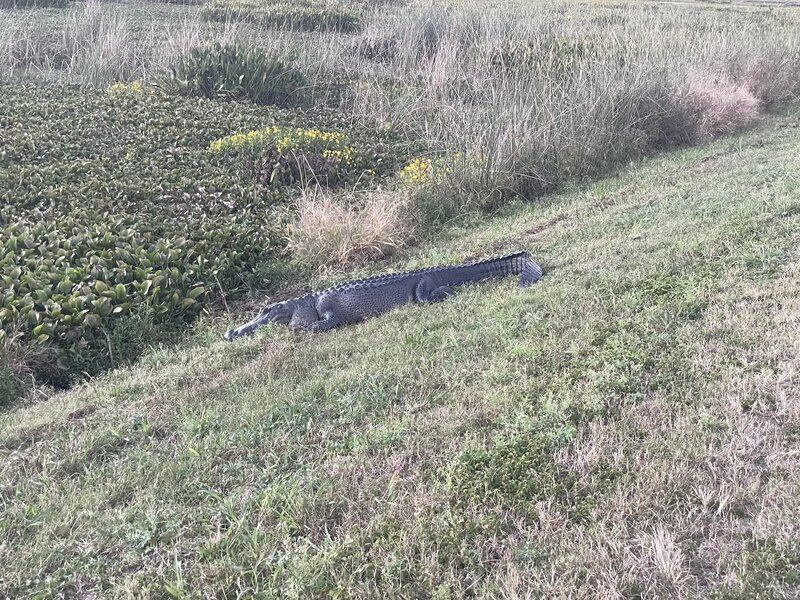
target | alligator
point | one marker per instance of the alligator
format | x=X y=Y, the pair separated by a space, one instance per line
x=354 y=301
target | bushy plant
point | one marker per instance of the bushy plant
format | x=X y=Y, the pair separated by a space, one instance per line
x=232 y=71
x=350 y=229
x=718 y=105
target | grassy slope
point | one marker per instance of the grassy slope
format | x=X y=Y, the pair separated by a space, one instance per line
x=627 y=426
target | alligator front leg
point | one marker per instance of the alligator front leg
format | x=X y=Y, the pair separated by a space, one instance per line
x=427 y=291
x=329 y=320
x=441 y=293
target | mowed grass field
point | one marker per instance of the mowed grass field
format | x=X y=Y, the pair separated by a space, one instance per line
x=627 y=427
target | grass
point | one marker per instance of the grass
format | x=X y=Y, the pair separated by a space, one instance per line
x=624 y=428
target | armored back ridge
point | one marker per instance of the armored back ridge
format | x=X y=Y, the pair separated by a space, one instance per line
x=356 y=300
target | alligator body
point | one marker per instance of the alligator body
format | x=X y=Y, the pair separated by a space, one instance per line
x=354 y=301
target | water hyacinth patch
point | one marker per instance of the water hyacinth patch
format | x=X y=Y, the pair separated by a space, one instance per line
x=111 y=208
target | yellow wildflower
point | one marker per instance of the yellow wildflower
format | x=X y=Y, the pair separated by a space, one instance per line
x=419 y=170
x=329 y=144
x=134 y=87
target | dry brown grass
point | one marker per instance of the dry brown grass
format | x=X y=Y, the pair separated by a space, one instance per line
x=350 y=229
x=770 y=79
x=719 y=105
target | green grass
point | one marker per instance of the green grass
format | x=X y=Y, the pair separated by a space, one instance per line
x=624 y=427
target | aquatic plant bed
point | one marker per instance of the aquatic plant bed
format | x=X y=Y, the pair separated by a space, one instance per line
x=122 y=200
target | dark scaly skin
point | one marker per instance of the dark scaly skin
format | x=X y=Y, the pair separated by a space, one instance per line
x=356 y=300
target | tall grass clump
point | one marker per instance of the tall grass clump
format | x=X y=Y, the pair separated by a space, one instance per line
x=100 y=45
x=349 y=229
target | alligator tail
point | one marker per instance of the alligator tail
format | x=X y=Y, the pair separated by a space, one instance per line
x=531 y=271
x=519 y=263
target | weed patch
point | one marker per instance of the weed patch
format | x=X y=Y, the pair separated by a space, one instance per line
x=520 y=472
x=765 y=568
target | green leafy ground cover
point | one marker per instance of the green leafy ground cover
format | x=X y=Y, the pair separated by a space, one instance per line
x=302 y=15
x=625 y=428
x=114 y=202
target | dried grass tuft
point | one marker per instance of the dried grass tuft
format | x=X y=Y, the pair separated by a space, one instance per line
x=349 y=230
x=771 y=79
x=719 y=105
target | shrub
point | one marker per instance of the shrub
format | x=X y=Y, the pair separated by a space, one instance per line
x=331 y=231
x=233 y=72
x=718 y=105
x=282 y=156
x=283 y=15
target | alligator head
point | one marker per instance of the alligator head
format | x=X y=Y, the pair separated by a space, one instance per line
x=298 y=313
